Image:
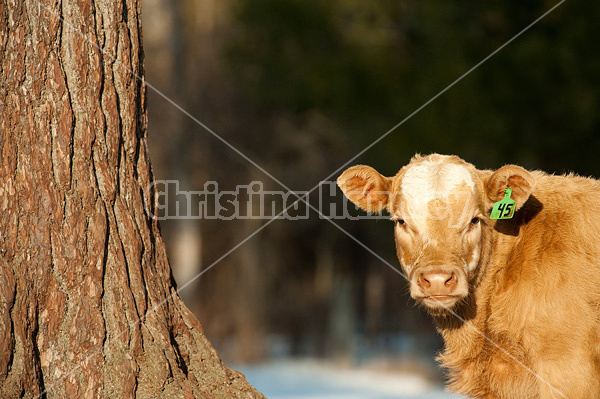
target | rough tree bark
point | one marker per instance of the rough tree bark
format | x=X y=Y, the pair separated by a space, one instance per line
x=81 y=262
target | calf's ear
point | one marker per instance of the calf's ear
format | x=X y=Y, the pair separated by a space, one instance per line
x=518 y=179
x=365 y=187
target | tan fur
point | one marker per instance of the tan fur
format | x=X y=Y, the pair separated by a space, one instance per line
x=530 y=324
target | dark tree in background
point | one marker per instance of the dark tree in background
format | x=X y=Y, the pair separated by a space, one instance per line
x=369 y=65
x=87 y=303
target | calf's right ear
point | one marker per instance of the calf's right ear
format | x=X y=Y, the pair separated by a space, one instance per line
x=518 y=179
x=365 y=187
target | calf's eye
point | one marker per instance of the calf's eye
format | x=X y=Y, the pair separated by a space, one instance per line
x=475 y=220
x=400 y=222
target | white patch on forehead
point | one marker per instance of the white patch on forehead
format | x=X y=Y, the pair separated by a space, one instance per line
x=430 y=180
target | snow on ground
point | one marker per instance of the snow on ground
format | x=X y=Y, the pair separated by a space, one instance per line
x=310 y=379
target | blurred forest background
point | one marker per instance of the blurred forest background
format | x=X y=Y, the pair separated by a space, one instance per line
x=301 y=86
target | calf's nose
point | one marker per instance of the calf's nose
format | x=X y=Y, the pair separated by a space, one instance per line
x=438 y=282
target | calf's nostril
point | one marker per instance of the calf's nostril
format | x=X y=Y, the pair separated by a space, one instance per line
x=451 y=281
x=423 y=282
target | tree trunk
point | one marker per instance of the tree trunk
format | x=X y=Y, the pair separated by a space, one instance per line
x=88 y=307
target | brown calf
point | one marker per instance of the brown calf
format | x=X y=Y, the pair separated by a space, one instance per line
x=517 y=301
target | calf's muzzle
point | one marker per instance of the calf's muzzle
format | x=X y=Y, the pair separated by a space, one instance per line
x=438 y=283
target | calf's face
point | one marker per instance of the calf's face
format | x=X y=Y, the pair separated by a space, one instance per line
x=440 y=209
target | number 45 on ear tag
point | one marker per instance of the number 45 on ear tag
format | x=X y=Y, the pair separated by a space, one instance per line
x=505 y=208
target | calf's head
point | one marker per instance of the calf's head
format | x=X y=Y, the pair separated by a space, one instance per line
x=440 y=207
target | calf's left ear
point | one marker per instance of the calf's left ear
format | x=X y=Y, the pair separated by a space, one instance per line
x=518 y=179
x=365 y=187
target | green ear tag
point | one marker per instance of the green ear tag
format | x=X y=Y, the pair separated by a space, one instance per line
x=505 y=208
